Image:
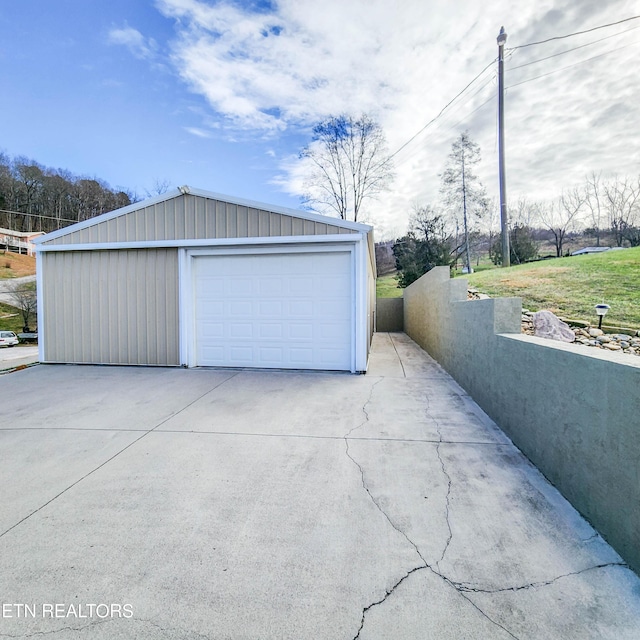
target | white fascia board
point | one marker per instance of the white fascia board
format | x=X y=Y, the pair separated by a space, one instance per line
x=104 y=217
x=208 y=242
x=174 y=193
x=296 y=213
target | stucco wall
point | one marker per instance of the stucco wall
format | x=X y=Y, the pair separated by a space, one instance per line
x=573 y=411
x=389 y=314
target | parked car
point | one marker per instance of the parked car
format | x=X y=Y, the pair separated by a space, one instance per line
x=8 y=339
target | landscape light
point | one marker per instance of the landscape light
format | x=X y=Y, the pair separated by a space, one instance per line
x=601 y=310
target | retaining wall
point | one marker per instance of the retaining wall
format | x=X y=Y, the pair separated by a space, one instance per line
x=573 y=411
x=389 y=314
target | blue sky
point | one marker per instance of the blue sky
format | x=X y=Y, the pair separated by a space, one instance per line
x=222 y=95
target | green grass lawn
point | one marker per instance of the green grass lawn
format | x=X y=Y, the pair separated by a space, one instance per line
x=387 y=287
x=10 y=318
x=571 y=287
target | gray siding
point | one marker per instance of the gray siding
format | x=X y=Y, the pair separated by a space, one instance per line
x=111 y=307
x=196 y=218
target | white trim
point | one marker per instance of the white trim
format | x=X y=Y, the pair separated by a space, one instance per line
x=208 y=242
x=175 y=193
x=40 y=307
x=109 y=215
x=186 y=319
x=296 y=213
x=361 y=295
x=184 y=266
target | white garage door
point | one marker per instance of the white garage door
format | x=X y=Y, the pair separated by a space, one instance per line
x=289 y=311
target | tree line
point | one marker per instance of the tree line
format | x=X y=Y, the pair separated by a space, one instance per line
x=38 y=198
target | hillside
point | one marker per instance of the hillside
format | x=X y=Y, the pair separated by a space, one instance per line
x=15 y=265
x=572 y=286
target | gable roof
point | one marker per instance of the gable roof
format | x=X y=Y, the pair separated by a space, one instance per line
x=114 y=226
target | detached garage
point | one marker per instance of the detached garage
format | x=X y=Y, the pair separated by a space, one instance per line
x=197 y=279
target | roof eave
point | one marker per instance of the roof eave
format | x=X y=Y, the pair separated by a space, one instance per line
x=186 y=190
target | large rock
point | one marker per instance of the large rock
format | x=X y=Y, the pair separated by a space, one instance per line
x=548 y=325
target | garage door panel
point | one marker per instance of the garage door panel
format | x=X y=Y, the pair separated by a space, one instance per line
x=213 y=330
x=241 y=355
x=270 y=287
x=300 y=286
x=239 y=287
x=270 y=308
x=273 y=330
x=300 y=309
x=274 y=310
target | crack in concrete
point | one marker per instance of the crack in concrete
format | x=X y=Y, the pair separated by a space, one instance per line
x=190 y=634
x=393 y=344
x=53 y=631
x=364 y=410
x=448 y=477
x=388 y=592
x=468 y=588
x=425 y=564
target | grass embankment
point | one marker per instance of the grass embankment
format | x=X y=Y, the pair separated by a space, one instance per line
x=571 y=287
x=15 y=265
x=387 y=287
x=10 y=318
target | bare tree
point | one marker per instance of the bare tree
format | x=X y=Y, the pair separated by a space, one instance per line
x=348 y=163
x=594 y=203
x=159 y=187
x=463 y=193
x=562 y=216
x=523 y=212
x=622 y=201
x=25 y=298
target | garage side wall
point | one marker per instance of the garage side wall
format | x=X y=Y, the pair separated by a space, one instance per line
x=111 y=307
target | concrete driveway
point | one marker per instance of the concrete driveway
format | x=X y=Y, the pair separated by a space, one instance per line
x=171 y=503
x=11 y=357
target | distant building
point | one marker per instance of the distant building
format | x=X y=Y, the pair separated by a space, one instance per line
x=19 y=241
x=595 y=250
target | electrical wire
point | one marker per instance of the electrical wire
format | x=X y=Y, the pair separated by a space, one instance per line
x=582 y=46
x=397 y=151
x=600 y=55
x=510 y=51
x=575 y=33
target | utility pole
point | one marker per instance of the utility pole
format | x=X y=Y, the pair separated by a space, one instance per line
x=504 y=223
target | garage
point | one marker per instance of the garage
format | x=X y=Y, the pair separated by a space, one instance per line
x=198 y=279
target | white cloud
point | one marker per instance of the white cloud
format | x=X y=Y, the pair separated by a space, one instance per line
x=272 y=71
x=131 y=38
x=196 y=131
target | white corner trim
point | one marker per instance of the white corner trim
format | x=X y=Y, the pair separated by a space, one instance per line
x=40 y=307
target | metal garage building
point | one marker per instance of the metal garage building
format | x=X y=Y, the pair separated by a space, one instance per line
x=193 y=278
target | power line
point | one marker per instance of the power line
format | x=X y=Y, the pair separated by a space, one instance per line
x=37 y=215
x=510 y=51
x=397 y=151
x=575 y=64
x=575 y=33
x=453 y=111
x=582 y=46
